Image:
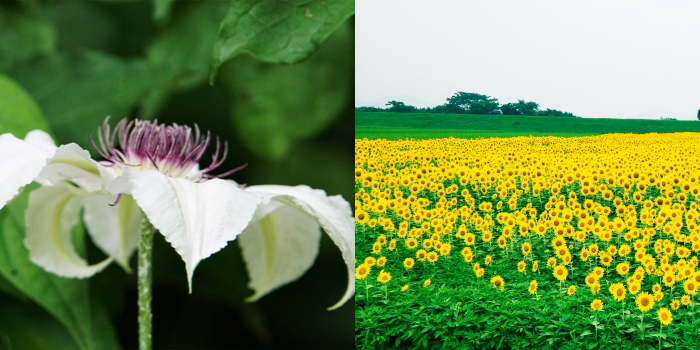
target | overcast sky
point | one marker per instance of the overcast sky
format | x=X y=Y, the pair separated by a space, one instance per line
x=596 y=59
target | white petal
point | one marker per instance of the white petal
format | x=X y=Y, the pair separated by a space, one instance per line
x=51 y=215
x=198 y=219
x=21 y=162
x=40 y=138
x=279 y=246
x=74 y=164
x=333 y=214
x=115 y=229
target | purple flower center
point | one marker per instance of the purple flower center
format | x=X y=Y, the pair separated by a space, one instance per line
x=174 y=150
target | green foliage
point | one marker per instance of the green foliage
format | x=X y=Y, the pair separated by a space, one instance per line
x=278 y=31
x=19 y=113
x=65 y=66
x=303 y=101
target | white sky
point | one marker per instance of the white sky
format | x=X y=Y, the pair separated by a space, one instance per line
x=596 y=59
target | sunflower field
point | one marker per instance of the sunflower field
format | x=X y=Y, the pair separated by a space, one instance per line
x=580 y=243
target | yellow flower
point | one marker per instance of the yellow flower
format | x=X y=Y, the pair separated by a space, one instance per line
x=432 y=257
x=376 y=248
x=675 y=304
x=623 y=268
x=560 y=272
x=644 y=302
x=404 y=288
x=690 y=286
x=479 y=273
x=370 y=261
x=497 y=282
x=533 y=287
x=408 y=263
x=362 y=271
x=426 y=283
x=526 y=248
x=521 y=266
x=381 y=261
x=571 y=290
x=665 y=316
x=487 y=260
x=384 y=277
x=685 y=300
x=597 y=305
x=535 y=266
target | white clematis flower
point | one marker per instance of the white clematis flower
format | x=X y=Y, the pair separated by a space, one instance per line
x=154 y=169
x=282 y=240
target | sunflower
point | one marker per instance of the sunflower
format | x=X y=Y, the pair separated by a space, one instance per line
x=404 y=288
x=685 y=300
x=370 y=261
x=644 y=302
x=362 y=271
x=432 y=257
x=634 y=288
x=533 y=287
x=526 y=248
x=411 y=243
x=376 y=248
x=535 y=266
x=497 y=282
x=384 y=277
x=487 y=260
x=408 y=263
x=658 y=296
x=590 y=280
x=551 y=262
x=521 y=266
x=480 y=273
x=595 y=288
x=381 y=261
x=598 y=272
x=618 y=291
x=690 y=287
x=675 y=304
x=669 y=279
x=560 y=272
x=665 y=316
x=597 y=305
x=426 y=283
x=421 y=254
x=623 y=268
x=361 y=216
x=571 y=290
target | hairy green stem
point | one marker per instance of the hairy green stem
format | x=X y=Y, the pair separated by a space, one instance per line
x=144 y=283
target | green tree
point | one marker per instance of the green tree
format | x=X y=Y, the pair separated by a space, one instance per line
x=398 y=106
x=473 y=103
x=698 y=114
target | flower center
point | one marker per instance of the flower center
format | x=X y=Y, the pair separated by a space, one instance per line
x=173 y=150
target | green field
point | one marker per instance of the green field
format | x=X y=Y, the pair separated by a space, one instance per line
x=396 y=126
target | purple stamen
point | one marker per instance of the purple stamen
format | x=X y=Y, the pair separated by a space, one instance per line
x=173 y=150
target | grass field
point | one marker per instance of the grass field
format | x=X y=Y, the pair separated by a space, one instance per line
x=397 y=126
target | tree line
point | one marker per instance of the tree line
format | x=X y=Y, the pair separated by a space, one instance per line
x=471 y=103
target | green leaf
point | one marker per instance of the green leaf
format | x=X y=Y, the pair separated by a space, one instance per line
x=275 y=106
x=585 y=333
x=19 y=113
x=66 y=299
x=161 y=10
x=277 y=31
x=27 y=326
x=183 y=51
x=77 y=91
x=22 y=37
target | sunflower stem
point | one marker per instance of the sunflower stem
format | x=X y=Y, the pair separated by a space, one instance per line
x=145 y=253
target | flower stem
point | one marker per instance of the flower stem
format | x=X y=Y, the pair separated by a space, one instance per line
x=145 y=251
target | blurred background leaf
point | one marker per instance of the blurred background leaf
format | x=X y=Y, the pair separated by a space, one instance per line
x=79 y=61
x=19 y=114
x=274 y=106
x=277 y=31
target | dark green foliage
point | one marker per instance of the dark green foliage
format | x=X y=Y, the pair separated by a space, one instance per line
x=473 y=103
x=65 y=66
